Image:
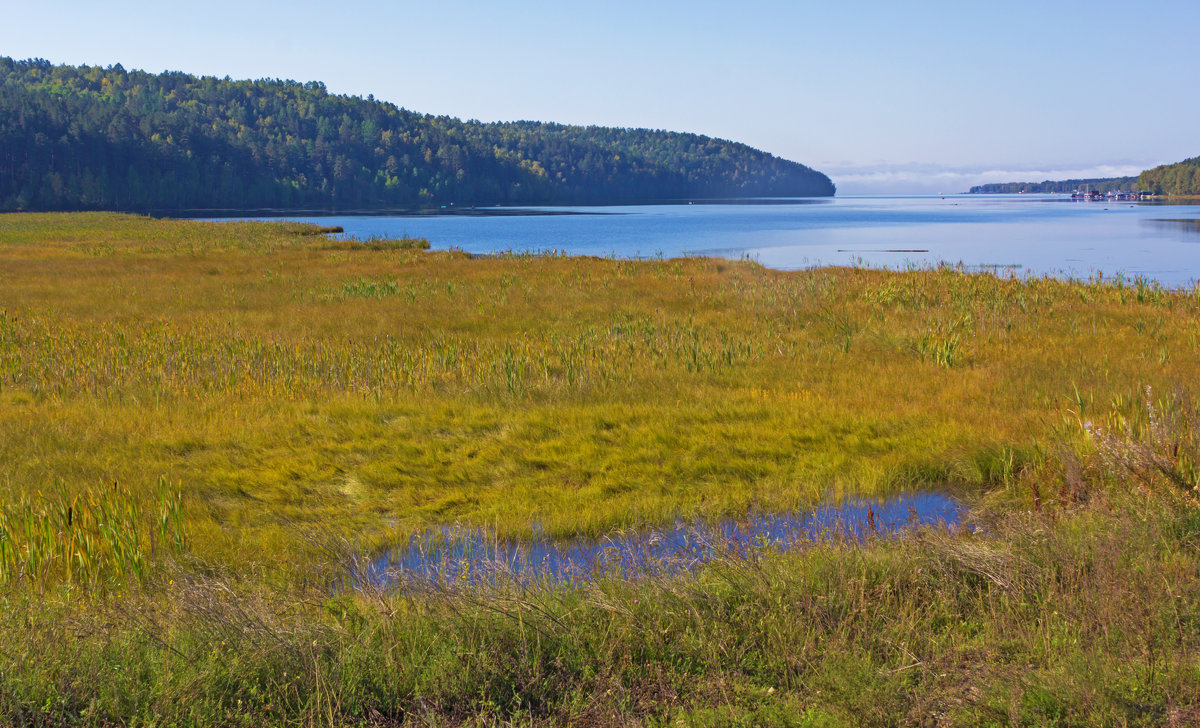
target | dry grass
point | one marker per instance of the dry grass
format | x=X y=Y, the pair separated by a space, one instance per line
x=290 y=386
x=383 y=390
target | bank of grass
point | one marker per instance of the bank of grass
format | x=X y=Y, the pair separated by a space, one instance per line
x=1078 y=606
x=297 y=392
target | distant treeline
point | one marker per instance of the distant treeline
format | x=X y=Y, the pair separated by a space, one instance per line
x=92 y=138
x=1181 y=178
x=1105 y=184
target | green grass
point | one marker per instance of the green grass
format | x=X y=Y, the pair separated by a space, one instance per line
x=92 y=538
x=270 y=404
x=1082 y=613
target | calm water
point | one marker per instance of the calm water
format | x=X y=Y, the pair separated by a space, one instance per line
x=474 y=556
x=1029 y=234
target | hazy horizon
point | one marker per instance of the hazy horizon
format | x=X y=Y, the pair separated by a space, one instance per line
x=882 y=98
x=918 y=178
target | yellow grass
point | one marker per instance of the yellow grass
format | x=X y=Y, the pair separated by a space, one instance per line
x=285 y=380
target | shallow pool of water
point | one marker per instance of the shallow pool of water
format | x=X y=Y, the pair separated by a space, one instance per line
x=453 y=555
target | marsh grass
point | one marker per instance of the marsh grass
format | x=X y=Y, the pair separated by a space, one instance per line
x=1082 y=613
x=286 y=385
x=100 y=537
x=372 y=243
x=280 y=376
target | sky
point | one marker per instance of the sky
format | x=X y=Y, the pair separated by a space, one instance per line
x=884 y=97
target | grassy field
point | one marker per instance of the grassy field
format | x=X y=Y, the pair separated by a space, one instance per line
x=202 y=424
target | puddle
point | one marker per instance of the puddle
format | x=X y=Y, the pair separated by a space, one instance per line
x=451 y=555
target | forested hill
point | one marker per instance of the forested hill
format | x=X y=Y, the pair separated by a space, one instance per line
x=106 y=138
x=1181 y=178
x=1105 y=184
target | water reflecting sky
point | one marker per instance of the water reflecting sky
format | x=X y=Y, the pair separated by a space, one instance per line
x=455 y=555
x=1030 y=234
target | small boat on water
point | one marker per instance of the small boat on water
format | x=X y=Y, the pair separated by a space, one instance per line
x=1091 y=195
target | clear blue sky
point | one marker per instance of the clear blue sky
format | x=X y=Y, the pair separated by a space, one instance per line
x=883 y=96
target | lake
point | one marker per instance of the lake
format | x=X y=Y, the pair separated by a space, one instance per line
x=1024 y=234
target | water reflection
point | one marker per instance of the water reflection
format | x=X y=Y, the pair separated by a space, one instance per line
x=456 y=555
x=1027 y=234
x=1190 y=227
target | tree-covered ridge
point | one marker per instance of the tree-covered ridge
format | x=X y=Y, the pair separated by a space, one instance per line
x=1102 y=184
x=105 y=138
x=1181 y=178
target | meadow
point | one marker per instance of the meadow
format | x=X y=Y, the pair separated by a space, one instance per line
x=206 y=427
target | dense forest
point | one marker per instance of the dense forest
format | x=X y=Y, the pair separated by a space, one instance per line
x=105 y=138
x=1105 y=184
x=1181 y=178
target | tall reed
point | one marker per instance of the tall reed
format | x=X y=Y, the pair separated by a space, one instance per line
x=101 y=536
